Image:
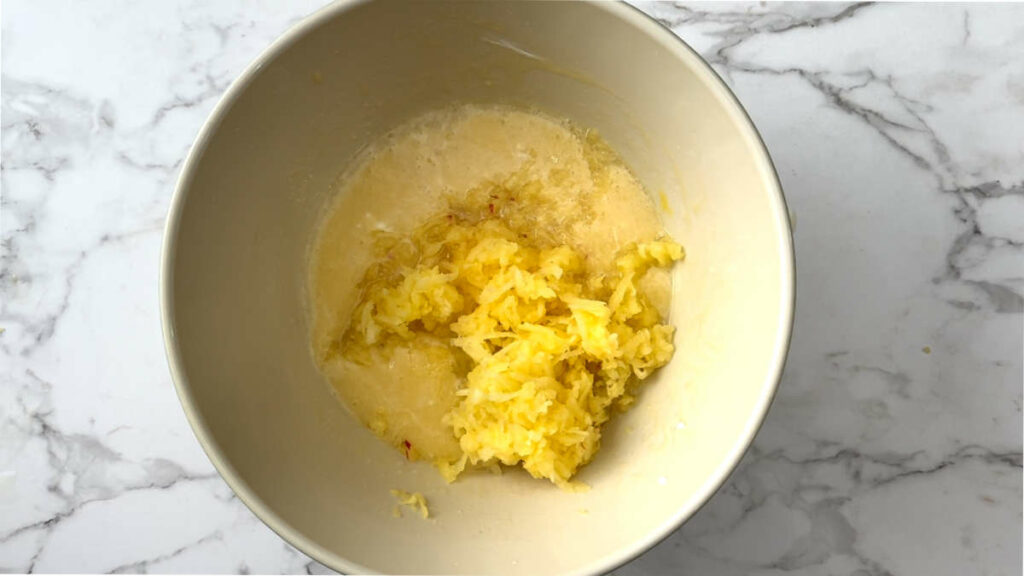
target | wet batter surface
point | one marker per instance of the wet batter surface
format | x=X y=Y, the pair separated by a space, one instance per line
x=389 y=281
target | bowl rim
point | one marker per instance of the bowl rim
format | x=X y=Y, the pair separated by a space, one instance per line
x=628 y=15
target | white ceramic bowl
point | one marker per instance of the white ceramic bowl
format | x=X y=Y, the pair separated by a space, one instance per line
x=257 y=180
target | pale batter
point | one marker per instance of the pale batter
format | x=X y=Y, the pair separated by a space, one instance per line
x=547 y=182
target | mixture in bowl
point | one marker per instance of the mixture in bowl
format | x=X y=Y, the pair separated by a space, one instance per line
x=489 y=288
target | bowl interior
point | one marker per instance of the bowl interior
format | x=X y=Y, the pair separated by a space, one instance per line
x=257 y=183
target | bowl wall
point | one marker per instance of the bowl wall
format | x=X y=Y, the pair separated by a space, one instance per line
x=259 y=178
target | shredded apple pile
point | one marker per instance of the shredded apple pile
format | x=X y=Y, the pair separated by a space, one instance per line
x=552 y=348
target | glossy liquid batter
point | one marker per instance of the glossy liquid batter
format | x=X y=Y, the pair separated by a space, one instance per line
x=571 y=189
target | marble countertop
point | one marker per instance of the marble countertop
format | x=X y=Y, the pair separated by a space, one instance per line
x=894 y=446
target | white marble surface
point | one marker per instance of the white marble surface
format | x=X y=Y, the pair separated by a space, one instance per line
x=898 y=131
